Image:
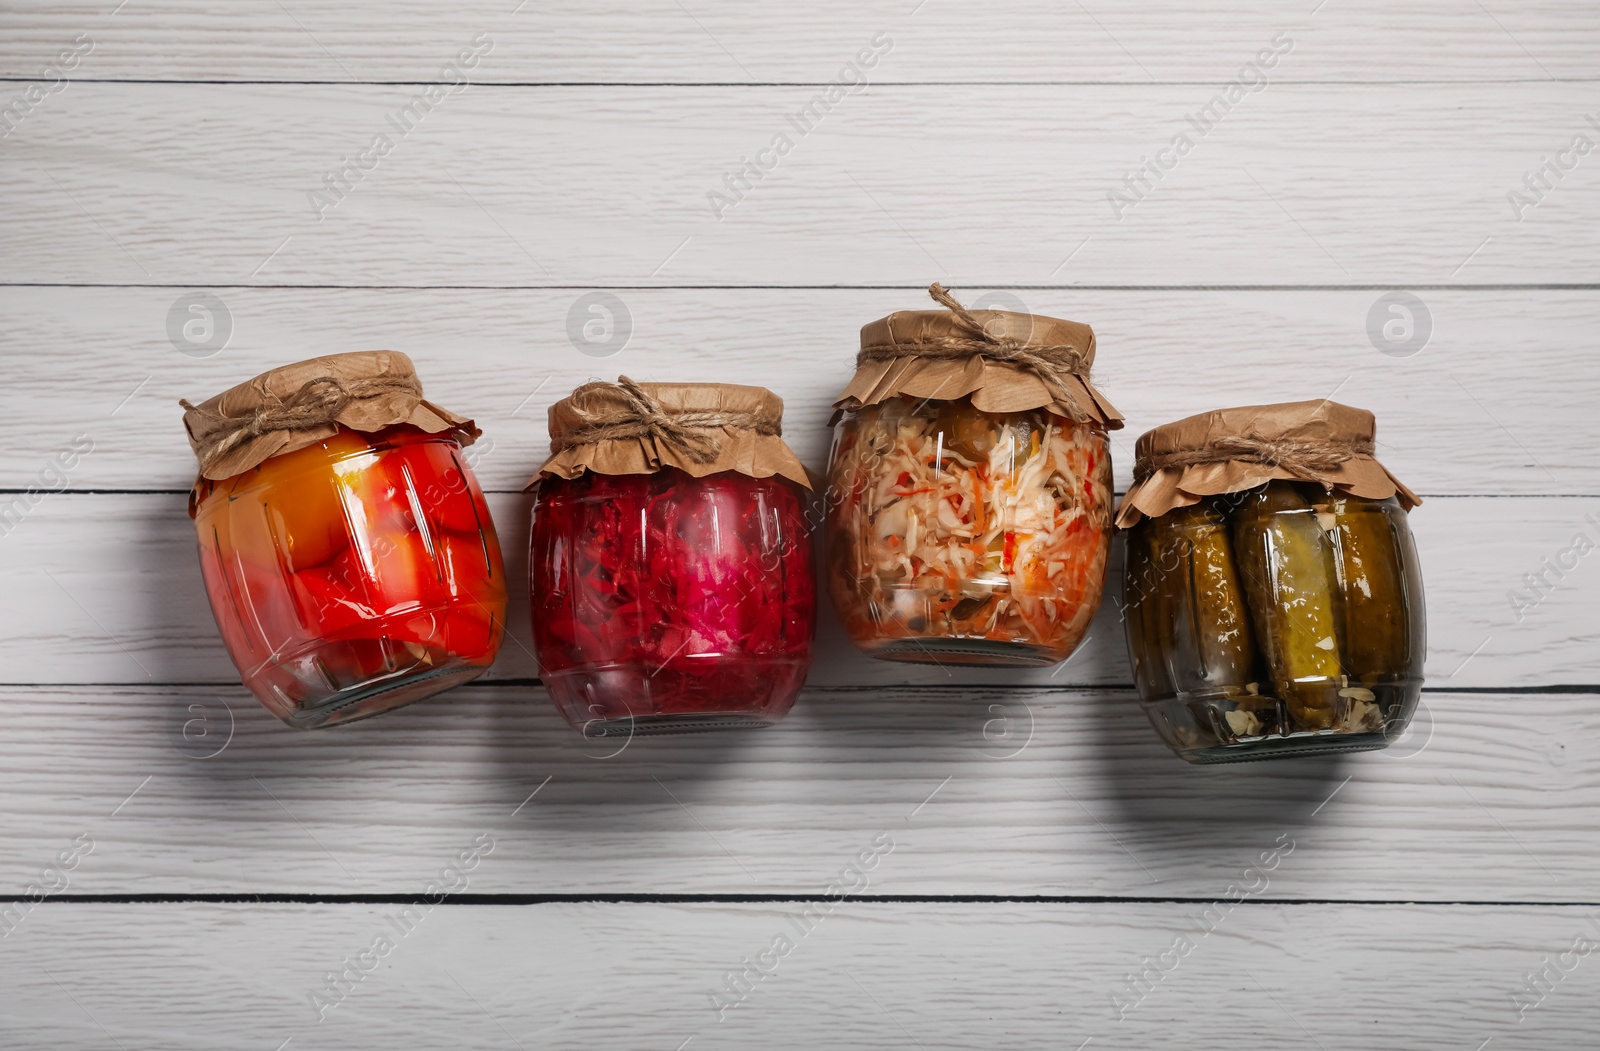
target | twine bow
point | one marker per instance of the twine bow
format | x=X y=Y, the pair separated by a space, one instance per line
x=1310 y=459
x=641 y=415
x=317 y=403
x=1050 y=363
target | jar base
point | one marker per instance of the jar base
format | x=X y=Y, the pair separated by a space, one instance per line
x=1240 y=728
x=366 y=700
x=987 y=652
x=685 y=695
x=656 y=725
x=1296 y=746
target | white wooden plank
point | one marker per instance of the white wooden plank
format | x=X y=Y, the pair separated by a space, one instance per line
x=721 y=40
x=1475 y=411
x=112 y=593
x=983 y=787
x=984 y=791
x=585 y=185
x=869 y=975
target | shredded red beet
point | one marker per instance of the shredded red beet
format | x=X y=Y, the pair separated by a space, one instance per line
x=658 y=595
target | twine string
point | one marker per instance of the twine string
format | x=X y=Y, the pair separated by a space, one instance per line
x=316 y=403
x=1311 y=459
x=641 y=415
x=1050 y=363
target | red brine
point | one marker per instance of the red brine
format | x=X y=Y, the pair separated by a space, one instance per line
x=666 y=602
x=354 y=575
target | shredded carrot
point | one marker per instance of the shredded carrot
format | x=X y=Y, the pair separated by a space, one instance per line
x=998 y=544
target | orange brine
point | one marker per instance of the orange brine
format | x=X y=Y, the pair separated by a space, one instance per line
x=353 y=575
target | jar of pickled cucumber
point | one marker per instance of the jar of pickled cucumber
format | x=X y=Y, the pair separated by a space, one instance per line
x=969 y=497
x=1272 y=596
x=670 y=564
x=349 y=556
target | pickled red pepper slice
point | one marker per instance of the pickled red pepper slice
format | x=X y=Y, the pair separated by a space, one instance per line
x=330 y=551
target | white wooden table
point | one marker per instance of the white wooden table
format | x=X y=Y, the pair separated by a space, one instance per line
x=1042 y=872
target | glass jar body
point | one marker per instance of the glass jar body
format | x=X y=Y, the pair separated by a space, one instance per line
x=962 y=536
x=355 y=575
x=1285 y=620
x=664 y=602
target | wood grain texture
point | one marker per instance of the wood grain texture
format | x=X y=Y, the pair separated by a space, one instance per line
x=113 y=594
x=593 y=185
x=725 y=41
x=985 y=791
x=1500 y=401
x=870 y=975
x=581 y=158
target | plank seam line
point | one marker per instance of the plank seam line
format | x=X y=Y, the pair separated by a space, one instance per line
x=12 y=491
x=753 y=899
x=1525 y=286
x=623 y=84
x=1553 y=689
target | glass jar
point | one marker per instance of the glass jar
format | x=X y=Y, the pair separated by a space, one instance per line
x=1286 y=619
x=355 y=575
x=962 y=536
x=667 y=602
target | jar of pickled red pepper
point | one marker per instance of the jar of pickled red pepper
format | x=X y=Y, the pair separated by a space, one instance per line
x=1272 y=597
x=969 y=497
x=670 y=563
x=347 y=551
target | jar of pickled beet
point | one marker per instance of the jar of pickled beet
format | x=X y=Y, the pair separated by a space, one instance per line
x=969 y=500
x=670 y=564
x=347 y=551
x=1272 y=597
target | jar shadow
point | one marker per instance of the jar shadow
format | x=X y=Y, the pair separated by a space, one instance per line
x=531 y=740
x=228 y=738
x=516 y=660
x=181 y=643
x=1175 y=809
x=625 y=796
x=1231 y=808
x=199 y=708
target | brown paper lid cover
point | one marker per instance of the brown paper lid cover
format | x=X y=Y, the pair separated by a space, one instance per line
x=1231 y=450
x=994 y=385
x=299 y=405
x=731 y=428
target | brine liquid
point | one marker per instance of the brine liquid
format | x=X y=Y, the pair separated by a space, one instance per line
x=1284 y=620
x=960 y=536
x=353 y=576
x=666 y=602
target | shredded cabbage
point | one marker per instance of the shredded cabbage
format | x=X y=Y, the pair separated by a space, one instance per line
x=948 y=522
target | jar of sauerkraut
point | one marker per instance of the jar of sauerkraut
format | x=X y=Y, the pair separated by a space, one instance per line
x=969 y=488
x=1272 y=595
x=670 y=564
x=348 y=553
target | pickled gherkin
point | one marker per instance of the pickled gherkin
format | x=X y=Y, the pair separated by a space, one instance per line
x=1283 y=619
x=1380 y=631
x=1204 y=627
x=1141 y=610
x=1292 y=583
x=1273 y=599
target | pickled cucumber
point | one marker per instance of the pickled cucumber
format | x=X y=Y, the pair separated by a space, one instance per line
x=1140 y=610
x=1291 y=586
x=1378 y=634
x=1204 y=624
